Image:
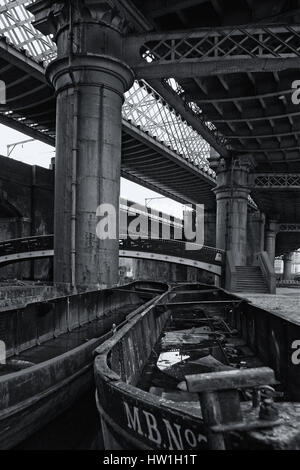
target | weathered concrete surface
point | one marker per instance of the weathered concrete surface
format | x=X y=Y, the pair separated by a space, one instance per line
x=210 y=228
x=169 y=272
x=232 y=193
x=26 y=208
x=270 y=242
x=255 y=235
x=90 y=81
x=286 y=302
x=13 y=296
x=287 y=266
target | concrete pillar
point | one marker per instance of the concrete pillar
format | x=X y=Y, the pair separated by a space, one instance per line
x=271 y=233
x=287 y=266
x=232 y=193
x=210 y=228
x=90 y=80
x=255 y=235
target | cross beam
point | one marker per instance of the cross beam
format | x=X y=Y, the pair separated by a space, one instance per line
x=206 y=52
x=289 y=228
x=276 y=181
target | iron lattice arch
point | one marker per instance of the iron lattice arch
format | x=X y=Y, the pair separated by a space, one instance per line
x=241 y=42
x=16 y=25
x=143 y=106
x=283 y=180
x=289 y=228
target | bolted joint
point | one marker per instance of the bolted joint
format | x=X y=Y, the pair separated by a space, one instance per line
x=268 y=410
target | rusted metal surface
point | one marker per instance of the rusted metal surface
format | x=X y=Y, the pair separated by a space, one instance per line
x=47 y=351
x=134 y=418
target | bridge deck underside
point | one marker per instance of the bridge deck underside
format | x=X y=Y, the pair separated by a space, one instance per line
x=30 y=108
x=151 y=164
x=287 y=242
x=252 y=109
x=280 y=204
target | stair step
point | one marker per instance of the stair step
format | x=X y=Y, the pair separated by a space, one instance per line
x=251 y=283
x=249 y=288
x=250 y=279
x=246 y=288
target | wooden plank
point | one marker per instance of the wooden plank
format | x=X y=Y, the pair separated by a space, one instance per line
x=198 y=291
x=196 y=302
x=212 y=416
x=229 y=380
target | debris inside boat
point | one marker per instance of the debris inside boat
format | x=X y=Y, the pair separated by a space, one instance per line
x=183 y=350
x=210 y=355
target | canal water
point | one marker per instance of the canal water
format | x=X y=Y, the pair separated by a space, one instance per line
x=76 y=429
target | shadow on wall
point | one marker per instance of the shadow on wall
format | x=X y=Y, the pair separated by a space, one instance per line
x=13 y=225
x=169 y=272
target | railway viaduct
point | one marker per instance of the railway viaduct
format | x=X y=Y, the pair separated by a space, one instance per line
x=231 y=77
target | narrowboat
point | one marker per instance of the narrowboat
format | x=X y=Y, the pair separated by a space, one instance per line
x=200 y=369
x=49 y=352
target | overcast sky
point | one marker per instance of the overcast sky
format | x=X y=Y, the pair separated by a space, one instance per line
x=37 y=153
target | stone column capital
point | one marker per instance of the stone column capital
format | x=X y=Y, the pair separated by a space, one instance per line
x=273 y=226
x=258 y=216
x=243 y=162
x=88 y=34
x=53 y=15
x=97 y=71
x=233 y=178
x=288 y=257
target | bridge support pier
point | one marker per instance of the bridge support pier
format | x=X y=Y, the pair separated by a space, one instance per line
x=271 y=233
x=232 y=193
x=255 y=235
x=210 y=228
x=287 y=266
x=90 y=79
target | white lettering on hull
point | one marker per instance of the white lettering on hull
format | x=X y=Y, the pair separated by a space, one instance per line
x=147 y=425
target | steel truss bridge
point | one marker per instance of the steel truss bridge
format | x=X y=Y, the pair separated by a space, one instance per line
x=204 y=68
x=160 y=150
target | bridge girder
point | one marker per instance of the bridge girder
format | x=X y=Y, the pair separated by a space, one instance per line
x=276 y=181
x=289 y=228
x=206 y=52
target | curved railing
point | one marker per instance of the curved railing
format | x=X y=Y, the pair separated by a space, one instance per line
x=26 y=245
x=176 y=248
x=209 y=258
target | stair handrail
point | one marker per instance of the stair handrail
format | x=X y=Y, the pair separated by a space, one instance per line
x=268 y=271
x=231 y=272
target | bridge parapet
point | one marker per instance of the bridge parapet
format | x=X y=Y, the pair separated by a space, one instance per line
x=206 y=257
x=176 y=248
x=25 y=245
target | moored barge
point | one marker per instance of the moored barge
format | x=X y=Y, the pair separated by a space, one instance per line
x=50 y=349
x=200 y=369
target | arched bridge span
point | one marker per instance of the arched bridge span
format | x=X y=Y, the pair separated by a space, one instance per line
x=172 y=251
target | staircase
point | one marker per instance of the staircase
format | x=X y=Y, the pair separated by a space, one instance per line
x=250 y=279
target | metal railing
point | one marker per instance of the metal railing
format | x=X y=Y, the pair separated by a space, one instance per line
x=26 y=245
x=176 y=248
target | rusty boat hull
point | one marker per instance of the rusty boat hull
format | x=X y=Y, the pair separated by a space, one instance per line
x=133 y=418
x=50 y=366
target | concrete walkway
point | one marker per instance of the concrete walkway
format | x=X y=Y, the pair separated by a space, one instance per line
x=286 y=302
